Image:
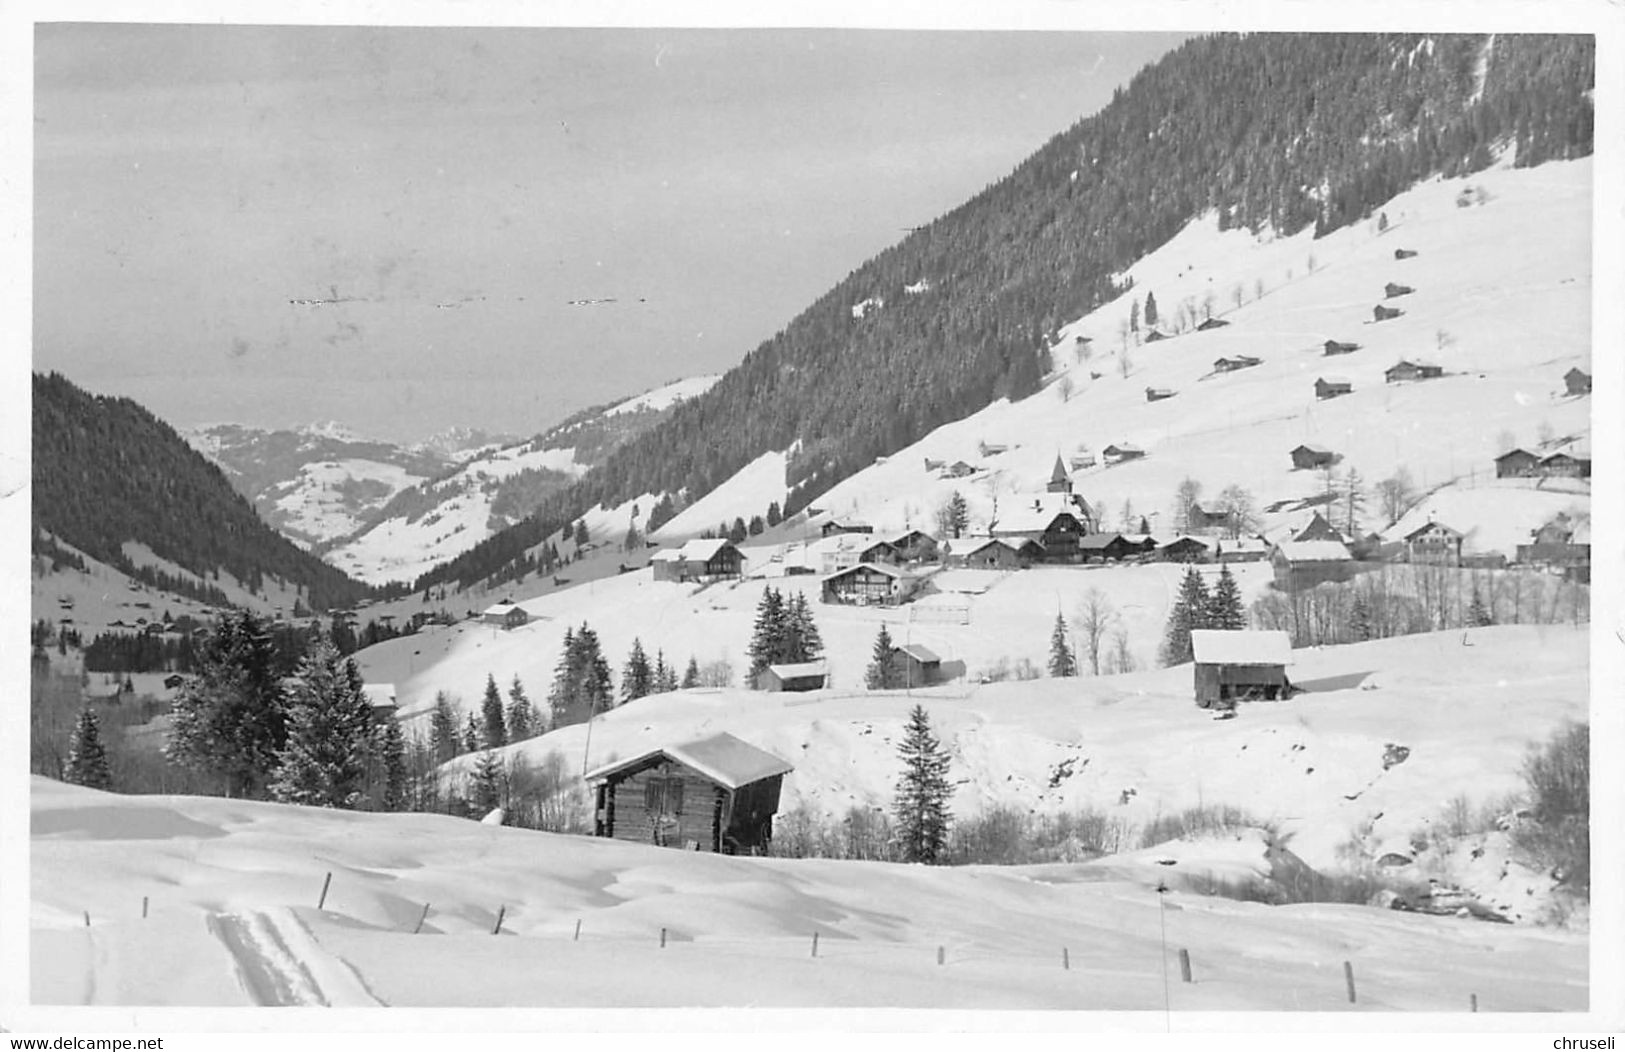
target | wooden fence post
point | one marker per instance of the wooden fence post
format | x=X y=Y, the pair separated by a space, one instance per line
x=1348 y=977
x=143 y=907
x=502 y=911
x=421 y=918
x=577 y=937
x=1474 y=998
x=326 y=881
x=662 y=938
x=815 y=944
x=942 y=954
x=1066 y=960
x=87 y=918
x=1185 y=965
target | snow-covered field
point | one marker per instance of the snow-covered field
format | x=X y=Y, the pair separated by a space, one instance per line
x=232 y=888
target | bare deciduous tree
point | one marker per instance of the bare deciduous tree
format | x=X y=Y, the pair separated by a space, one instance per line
x=1094 y=616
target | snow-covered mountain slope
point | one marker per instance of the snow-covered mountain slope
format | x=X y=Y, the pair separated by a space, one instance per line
x=1501 y=300
x=231 y=888
x=667 y=396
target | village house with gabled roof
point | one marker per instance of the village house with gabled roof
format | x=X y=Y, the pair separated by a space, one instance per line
x=1304 y=564
x=1333 y=386
x=1231 y=364
x=716 y=794
x=1562 y=545
x=1107 y=547
x=1232 y=666
x=1319 y=528
x=1338 y=347
x=1565 y=464
x=982 y=553
x=1183 y=549
x=869 y=584
x=1516 y=464
x=504 y=614
x=1307 y=455
x=914 y=546
x=1055 y=529
x=1407 y=369
x=703 y=559
x=1433 y=542
x=794 y=677
x=380 y=699
x=913 y=665
x=843 y=550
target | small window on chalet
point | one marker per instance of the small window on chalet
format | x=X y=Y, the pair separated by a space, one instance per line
x=663 y=794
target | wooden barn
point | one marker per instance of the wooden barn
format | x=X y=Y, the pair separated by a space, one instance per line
x=380 y=699
x=835 y=526
x=1055 y=530
x=794 y=678
x=1333 y=386
x=1390 y=290
x=1212 y=323
x=959 y=470
x=1381 y=313
x=915 y=666
x=1234 y=666
x=1153 y=335
x=1240 y=361
x=914 y=546
x=868 y=584
x=984 y=553
x=1184 y=549
x=1433 y=542
x=505 y=614
x=1312 y=456
x=1304 y=564
x=1404 y=253
x=1578 y=381
x=1406 y=369
x=1336 y=347
x=992 y=449
x=1565 y=465
x=1517 y=464
x=716 y=794
x=1158 y=394
x=1107 y=547
x=1116 y=453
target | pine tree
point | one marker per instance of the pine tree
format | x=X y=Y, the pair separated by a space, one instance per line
x=768 y=634
x=494 y=726
x=392 y=746
x=920 y=806
x=325 y=760
x=471 y=734
x=228 y=718
x=879 y=674
x=521 y=713
x=485 y=795
x=805 y=642
x=581 y=535
x=1478 y=615
x=1150 y=310
x=87 y=759
x=1062 y=662
x=958 y=514
x=1224 y=609
x=1189 y=611
x=691 y=674
x=774 y=516
x=443 y=737
x=756 y=525
x=1360 y=618
x=637 y=679
x=665 y=675
x=737 y=532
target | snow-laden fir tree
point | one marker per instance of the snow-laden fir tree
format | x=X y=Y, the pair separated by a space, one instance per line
x=805 y=642
x=1478 y=615
x=920 y=806
x=1062 y=662
x=227 y=720
x=1189 y=611
x=443 y=736
x=521 y=713
x=581 y=681
x=485 y=790
x=471 y=734
x=879 y=675
x=691 y=674
x=493 y=721
x=665 y=675
x=396 y=790
x=1360 y=618
x=330 y=730
x=637 y=678
x=87 y=759
x=1224 y=609
x=768 y=634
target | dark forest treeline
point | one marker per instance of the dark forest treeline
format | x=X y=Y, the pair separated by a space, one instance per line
x=1249 y=126
x=106 y=471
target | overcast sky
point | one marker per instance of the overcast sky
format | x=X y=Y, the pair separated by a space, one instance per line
x=454 y=189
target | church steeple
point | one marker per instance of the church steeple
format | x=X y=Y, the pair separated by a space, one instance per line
x=1059 y=482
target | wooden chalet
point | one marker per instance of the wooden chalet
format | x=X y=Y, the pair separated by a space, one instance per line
x=1304 y=564
x=914 y=546
x=1336 y=347
x=1517 y=464
x=1578 y=381
x=1250 y=550
x=1056 y=530
x=1107 y=547
x=1183 y=549
x=1239 y=665
x=1240 y=361
x=1158 y=394
x=1200 y=520
x=1307 y=456
x=1406 y=369
x=703 y=560
x=1333 y=386
x=1391 y=290
x=716 y=794
x=505 y=614
x=984 y=553
x=1565 y=465
x=868 y=584
x=1404 y=253
x=835 y=526
x=1433 y=542
x=1116 y=453
x=915 y=666
x=794 y=678
x=1212 y=323
x=380 y=699
x=1381 y=313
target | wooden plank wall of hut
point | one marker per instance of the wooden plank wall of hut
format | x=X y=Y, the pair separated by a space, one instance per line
x=696 y=820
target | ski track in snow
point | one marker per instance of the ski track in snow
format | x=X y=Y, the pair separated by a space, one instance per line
x=279 y=962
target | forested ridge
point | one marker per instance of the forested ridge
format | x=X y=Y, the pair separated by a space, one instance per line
x=1281 y=131
x=106 y=471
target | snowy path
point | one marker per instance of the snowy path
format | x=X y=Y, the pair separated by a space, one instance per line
x=279 y=962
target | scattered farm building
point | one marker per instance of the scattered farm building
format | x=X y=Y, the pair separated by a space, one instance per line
x=1081 y=459
x=835 y=526
x=1406 y=369
x=505 y=614
x=1517 y=464
x=794 y=678
x=1240 y=361
x=959 y=470
x=1055 y=530
x=993 y=449
x=869 y=584
x=1234 y=666
x=716 y=794
x=1241 y=550
x=915 y=666
x=1158 y=394
x=914 y=546
x=1433 y=542
x=1108 y=547
x=703 y=560
x=1381 y=313
x=1184 y=549
x=1578 y=381
x=1566 y=465
x=380 y=699
x=1336 y=347
x=983 y=553
x=1212 y=323
x=174 y=681
x=1201 y=520
x=1304 y=564
x=1118 y=452
x=1308 y=456
x=1404 y=253
x=1153 y=335
x=1391 y=290
x=1332 y=386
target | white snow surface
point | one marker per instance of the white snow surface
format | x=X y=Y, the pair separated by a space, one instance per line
x=667 y=396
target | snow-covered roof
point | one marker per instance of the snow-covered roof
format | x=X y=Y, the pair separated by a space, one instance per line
x=1426 y=526
x=889 y=571
x=1099 y=540
x=722 y=758
x=379 y=695
x=919 y=653
x=703 y=549
x=1337 y=381
x=1214 y=646
x=666 y=555
x=1314 y=551
x=1031 y=520
x=1310 y=447
x=973 y=543
x=1518 y=451
x=499 y=608
x=796 y=670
